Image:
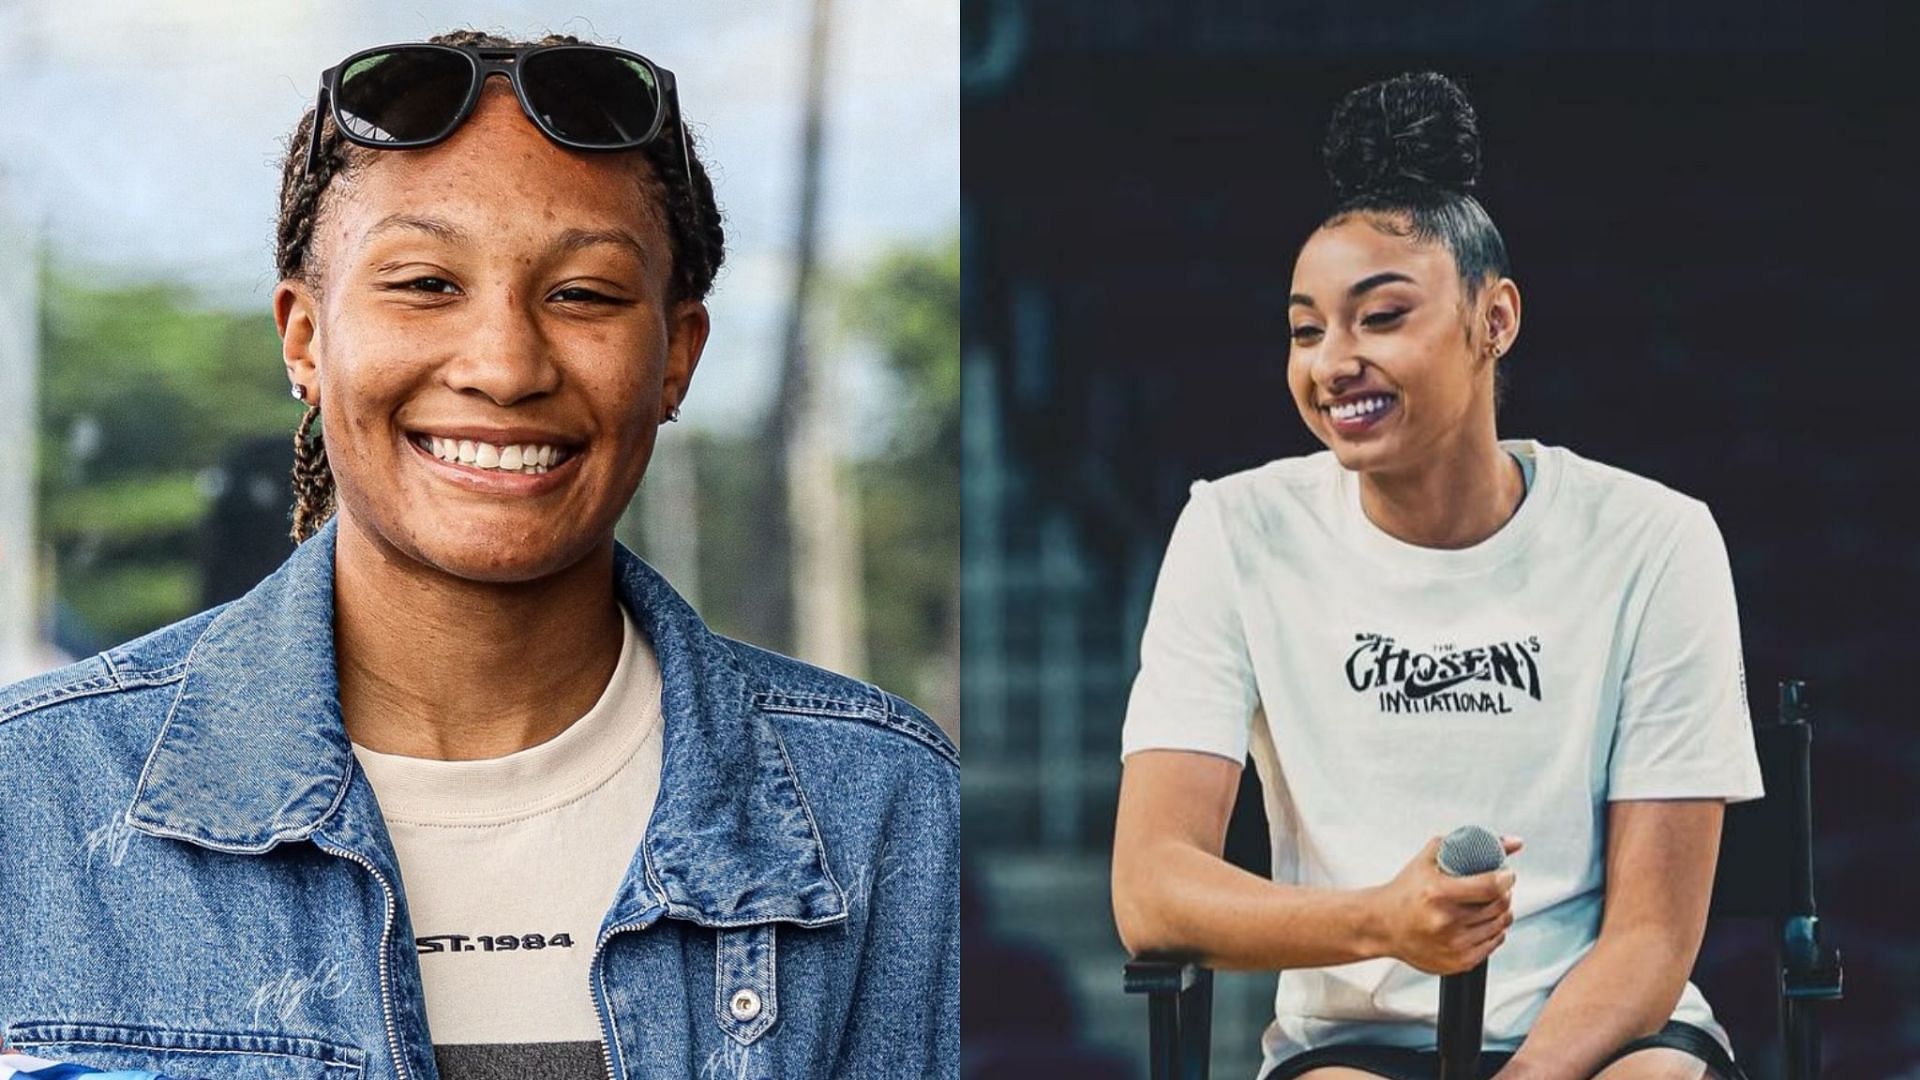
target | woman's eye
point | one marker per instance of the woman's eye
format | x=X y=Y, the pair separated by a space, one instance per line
x=1305 y=333
x=1381 y=318
x=580 y=294
x=428 y=284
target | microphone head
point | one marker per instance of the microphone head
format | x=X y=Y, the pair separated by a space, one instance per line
x=1470 y=849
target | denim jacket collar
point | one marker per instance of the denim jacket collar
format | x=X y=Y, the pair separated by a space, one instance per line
x=254 y=752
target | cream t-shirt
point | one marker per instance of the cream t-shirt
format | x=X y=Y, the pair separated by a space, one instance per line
x=1588 y=651
x=509 y=865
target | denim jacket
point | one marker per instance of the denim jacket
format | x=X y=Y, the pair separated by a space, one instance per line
x=195 y=876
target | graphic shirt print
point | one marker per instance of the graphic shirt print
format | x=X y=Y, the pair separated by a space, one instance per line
x=1443 y=678
x=509 y=866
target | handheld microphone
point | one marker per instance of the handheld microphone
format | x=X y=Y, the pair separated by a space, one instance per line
x=1466 y=850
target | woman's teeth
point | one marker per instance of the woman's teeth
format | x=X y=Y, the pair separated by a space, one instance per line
x=521 y=458
x=1350 y=409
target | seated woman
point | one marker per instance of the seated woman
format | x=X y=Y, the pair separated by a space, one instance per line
x=1426 y=626
x=465 y=788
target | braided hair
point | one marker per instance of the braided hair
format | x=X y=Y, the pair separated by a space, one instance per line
x=692 y=219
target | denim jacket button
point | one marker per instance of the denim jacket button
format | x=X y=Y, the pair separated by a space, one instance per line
x=745 y=1004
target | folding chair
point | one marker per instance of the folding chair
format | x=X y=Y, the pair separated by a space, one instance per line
x=1764 y=871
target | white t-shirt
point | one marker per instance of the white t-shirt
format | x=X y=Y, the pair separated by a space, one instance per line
x=510 y=864
x=1587 y=651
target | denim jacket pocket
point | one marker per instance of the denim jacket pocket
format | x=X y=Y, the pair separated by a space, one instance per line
x=187 y=1055
x=744 y=981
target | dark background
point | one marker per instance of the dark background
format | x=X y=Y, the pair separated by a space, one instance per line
x=1710 y=215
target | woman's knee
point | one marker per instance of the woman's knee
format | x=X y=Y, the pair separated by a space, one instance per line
x=1658 y=1063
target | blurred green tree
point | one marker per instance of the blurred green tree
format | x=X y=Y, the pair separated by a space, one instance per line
x=908 y=306
x=141 y=390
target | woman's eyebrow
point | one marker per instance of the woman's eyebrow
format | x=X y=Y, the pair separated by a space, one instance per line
x=580 y=239
x=1359 y=288
x=569 y=241
x=438 y=228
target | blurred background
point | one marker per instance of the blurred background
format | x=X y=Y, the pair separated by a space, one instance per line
x=1711 y=220
x=145 y=422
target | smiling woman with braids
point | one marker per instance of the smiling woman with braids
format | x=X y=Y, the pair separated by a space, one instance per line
x=465 y=787
x=1424 y=627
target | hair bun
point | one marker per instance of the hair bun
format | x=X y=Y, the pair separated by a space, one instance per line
x=1413 y=130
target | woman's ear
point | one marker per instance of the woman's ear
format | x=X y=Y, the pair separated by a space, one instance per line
x=1503 y=315
x=687 y=331
x=294 y=315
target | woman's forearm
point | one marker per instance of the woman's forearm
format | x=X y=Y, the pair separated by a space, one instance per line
x=1625 y=987
x=1175 y=898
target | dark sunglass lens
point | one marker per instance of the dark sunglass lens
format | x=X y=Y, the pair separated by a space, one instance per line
x=404 y=95
x=591 y=97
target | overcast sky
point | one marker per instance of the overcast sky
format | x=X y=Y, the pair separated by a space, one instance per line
x=143 y=138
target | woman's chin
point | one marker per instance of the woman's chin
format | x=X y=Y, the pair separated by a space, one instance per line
x=1356 y=457
x=499 y=552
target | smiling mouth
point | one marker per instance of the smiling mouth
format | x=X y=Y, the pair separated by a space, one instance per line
x=1359 y=412
x=529 y=459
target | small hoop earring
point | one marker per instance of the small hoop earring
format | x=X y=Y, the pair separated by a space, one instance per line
x=673 y=414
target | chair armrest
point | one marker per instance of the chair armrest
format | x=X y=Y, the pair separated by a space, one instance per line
x=1150 y=974
x=1179 y=993
x=1809 y=969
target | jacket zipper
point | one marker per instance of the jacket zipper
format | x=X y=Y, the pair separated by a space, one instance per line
x=599 y=996
x=386 y=936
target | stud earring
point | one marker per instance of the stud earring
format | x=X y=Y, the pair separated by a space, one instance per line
x=673 y=414
x=299 y=391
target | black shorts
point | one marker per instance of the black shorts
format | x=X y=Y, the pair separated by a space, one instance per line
x=1399 y=1063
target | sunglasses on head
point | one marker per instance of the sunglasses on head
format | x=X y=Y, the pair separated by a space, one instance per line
x=586 y=97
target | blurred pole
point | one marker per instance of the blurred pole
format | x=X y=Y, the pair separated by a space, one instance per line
x=983 y=497
x=822 y=524
x=669 y=512
x=829 y=617
x=21 y=653
x=984 y=585
x=1060 y=765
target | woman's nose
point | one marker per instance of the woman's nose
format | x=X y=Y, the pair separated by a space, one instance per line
x=1336 y=364
x=509 y=355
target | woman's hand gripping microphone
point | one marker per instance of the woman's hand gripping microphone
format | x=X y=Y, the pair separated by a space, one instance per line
x=1443 y=924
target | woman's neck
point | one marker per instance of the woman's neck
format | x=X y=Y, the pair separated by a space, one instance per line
x=1454 y=499
x=431 y=665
